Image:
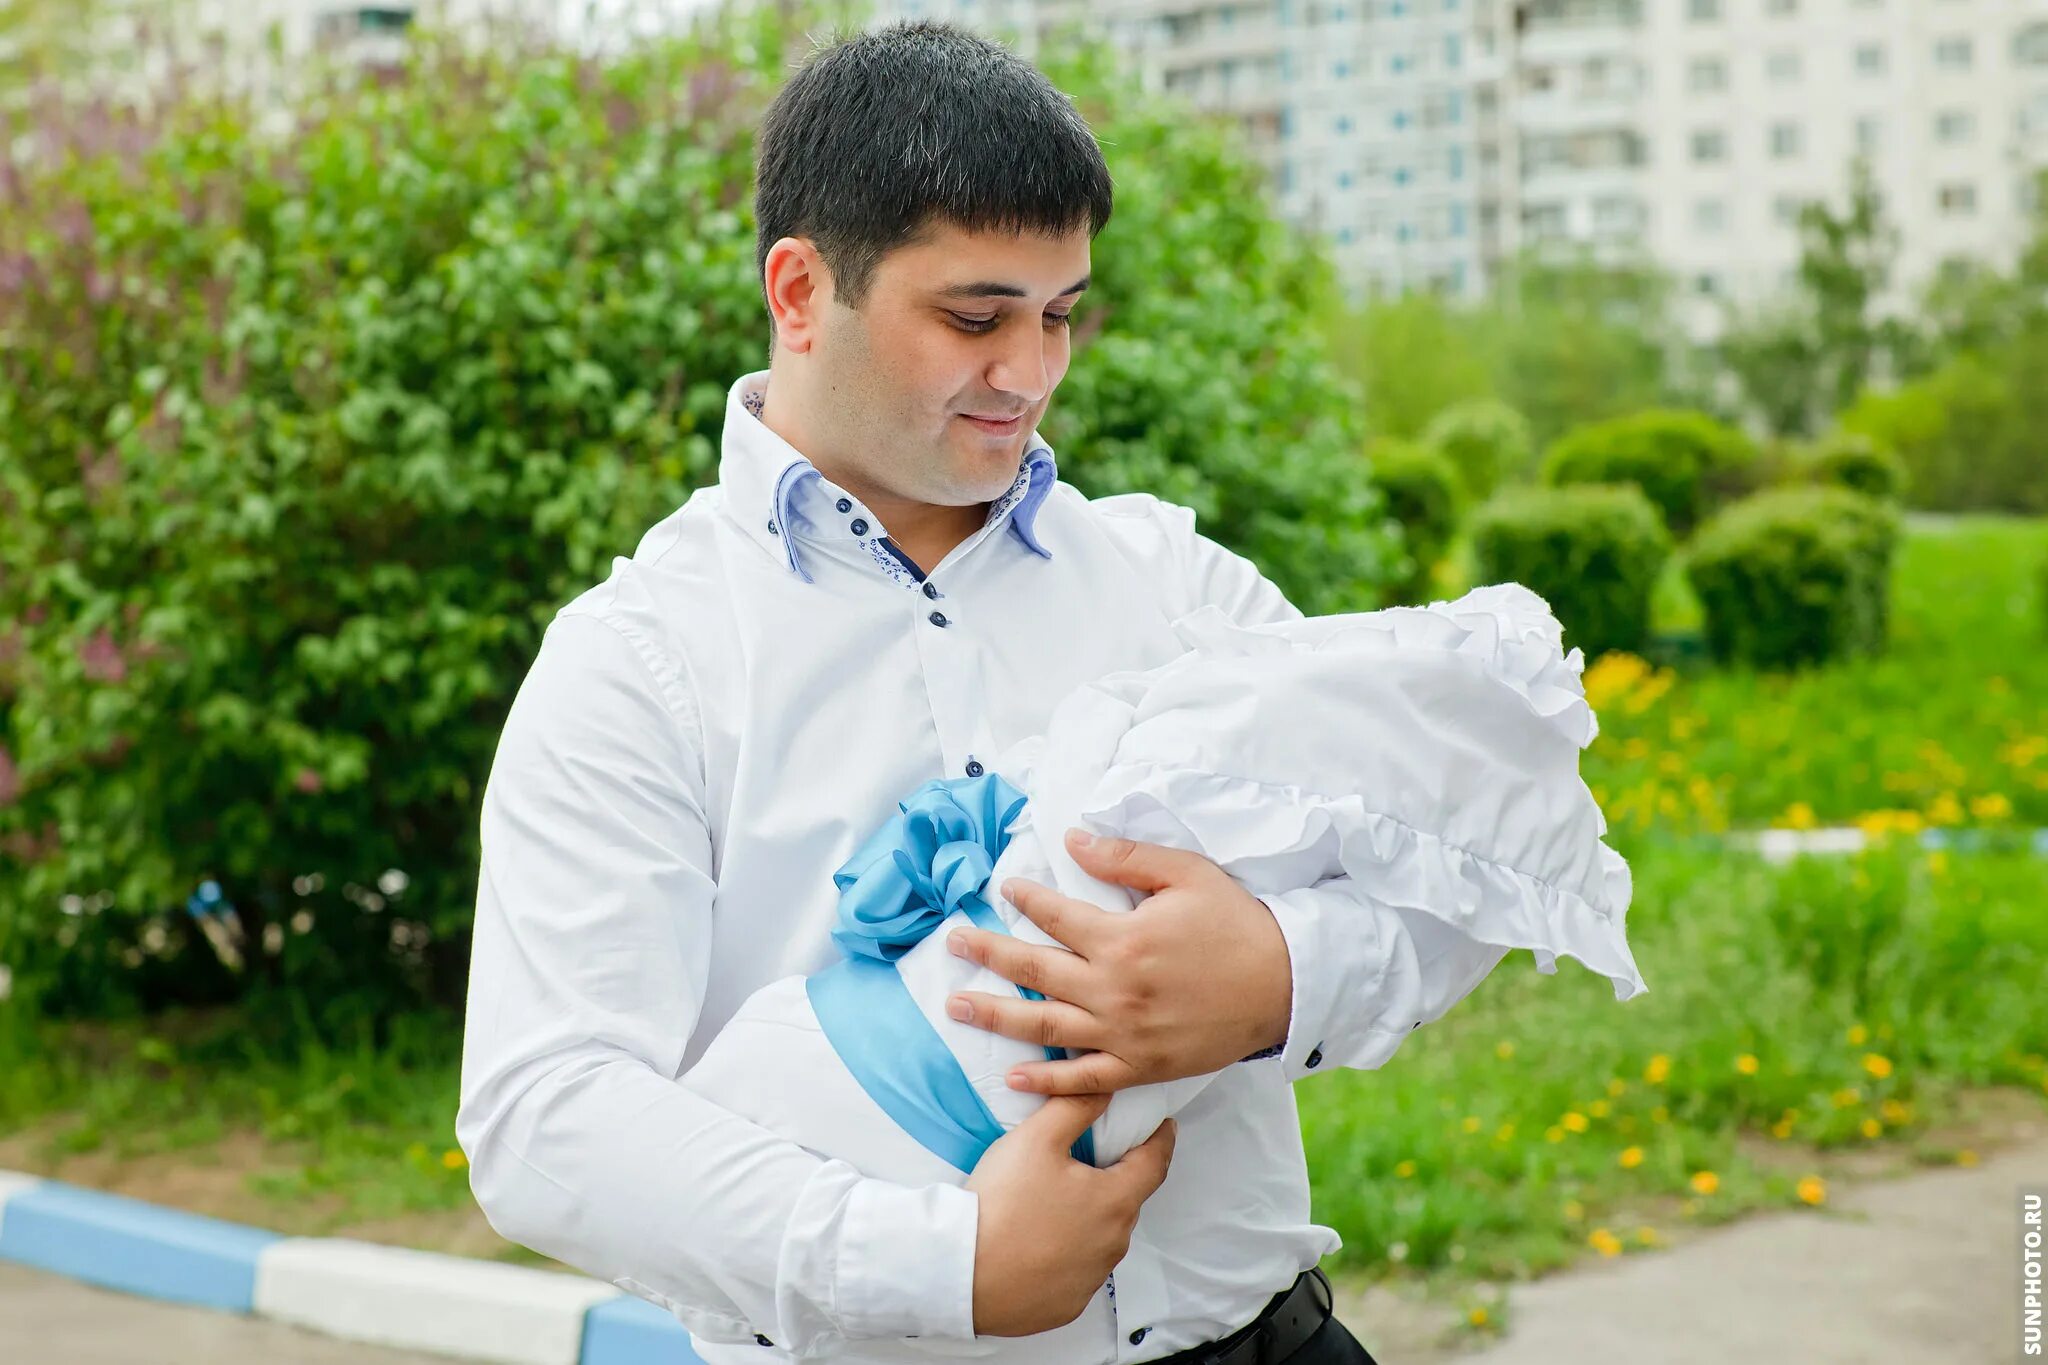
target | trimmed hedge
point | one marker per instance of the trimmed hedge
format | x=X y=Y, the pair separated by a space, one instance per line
x=1593 y=552
x=1795 y=576
x=1685 y=462
x=1486 y=441
x=1421 y=492
x=1854 y=461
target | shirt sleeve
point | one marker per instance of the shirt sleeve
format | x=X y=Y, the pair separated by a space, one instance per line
x=1365 y=973
x=591 y=952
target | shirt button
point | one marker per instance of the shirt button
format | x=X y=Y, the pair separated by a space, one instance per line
x=930 y=591
x=771 y=529
x=938 y=618
x=844 y=505
x=763 y=1340
x=1315 y=1057
x=1139 y=1335
x=974 y=768
x=860 y=527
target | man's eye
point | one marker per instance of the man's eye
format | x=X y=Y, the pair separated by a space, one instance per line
x=989 y=324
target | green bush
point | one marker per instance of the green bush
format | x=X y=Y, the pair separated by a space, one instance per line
x=307 y=430
x=1422 y=494
x=1854 y=461
x=1486 y=441
x=1685 y=462
x=1973 y=435
x=1593 y=552
x=1795 y=576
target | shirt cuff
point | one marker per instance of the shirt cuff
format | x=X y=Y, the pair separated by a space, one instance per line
x=1353 y=972
x=889 y=1285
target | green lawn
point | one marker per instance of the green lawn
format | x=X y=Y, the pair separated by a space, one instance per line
x=1795 y=1014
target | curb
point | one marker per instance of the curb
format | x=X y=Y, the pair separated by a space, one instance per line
x=356 y=1291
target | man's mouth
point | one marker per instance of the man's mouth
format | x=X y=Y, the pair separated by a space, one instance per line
x=997 y=426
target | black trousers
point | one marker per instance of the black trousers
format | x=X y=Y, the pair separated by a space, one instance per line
x=1332 y=1344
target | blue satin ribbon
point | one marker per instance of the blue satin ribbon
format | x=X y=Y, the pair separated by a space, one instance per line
x=931 y=859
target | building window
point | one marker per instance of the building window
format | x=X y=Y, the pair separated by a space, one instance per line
x=1343 y=180
x=1780 y=8
x=1953 y=126
x=1706 y=74
x=1782 y=67
x=1343 y=123
x=1543 y=221
x=1344 y=236
x=1703 y=11
x=1706 y=285
x=1454 y=51
x=1454 y=163
x=1957 y=200
x=1869 y=133
x=1709 y=144
x=1785 y=209
x=1953 y=54
x=1870 y=59
x=1341 y=70
x=1457 y=224
x=1709 y=217
x=1785 y=141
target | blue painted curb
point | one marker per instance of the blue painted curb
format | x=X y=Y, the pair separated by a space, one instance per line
x=173 y=1256
x=632 y=1331
x=138 y=1248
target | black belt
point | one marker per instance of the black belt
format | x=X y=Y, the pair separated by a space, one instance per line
x=1282 y=1327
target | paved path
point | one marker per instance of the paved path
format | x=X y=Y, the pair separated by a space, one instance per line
x=1923 y=1268
x=50 y=1320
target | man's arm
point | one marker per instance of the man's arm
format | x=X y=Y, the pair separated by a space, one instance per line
x=592 y=946
x=1365 y=973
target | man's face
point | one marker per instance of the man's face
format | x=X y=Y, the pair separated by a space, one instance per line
x=960 y=326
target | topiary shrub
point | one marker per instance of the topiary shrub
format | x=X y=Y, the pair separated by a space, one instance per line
x=1486 y=441
x=1857 y=462
x=1795 y=576
x=1421 y=493
x=1685 y=462
x=1593 y=552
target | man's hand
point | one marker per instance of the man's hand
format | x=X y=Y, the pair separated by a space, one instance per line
x=1194 y=978
x=1050 y=1229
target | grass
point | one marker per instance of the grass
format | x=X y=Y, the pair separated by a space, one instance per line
x=1798 y=1015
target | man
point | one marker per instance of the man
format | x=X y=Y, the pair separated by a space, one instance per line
x=887 y=583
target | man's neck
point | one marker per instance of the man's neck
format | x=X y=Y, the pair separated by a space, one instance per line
x=926 y=532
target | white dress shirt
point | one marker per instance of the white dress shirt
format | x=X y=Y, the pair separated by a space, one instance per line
x=705 y=736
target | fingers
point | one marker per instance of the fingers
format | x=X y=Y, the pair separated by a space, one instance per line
x=1073 y=922
x=1097 y=1071
x=1140 y=866
x=1063 y=1118
x=1047 y=1023
x=1035 y=966
x=1143 y=1169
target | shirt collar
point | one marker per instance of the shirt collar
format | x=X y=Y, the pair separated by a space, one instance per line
x=779 y=497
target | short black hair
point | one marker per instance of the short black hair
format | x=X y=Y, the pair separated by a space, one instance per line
x=886 y=132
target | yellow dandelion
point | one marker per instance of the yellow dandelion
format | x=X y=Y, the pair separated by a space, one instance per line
x=1657 y=1070
x=1604 y=1242
x=1647 y=1236
x=1870 y=1128
x=1812 y=1189
x=1477 y=1317
x=1895 y=1112
x=1617 y=1087
x=1471 y=1123
x=1503 y=1049
x=1630 y=1158
x=453 y=1159
x=1747 y=1064
x=1504 y=1133
x=1858 y=1035
x=1798 y=815
x=1966 y=1157
x=1598 y=1109
x=1575 y=1121
x=1781 y=1130
x=1992 y=806
x=1877 y=1064
x=1945 y=810
x=1404 y=1169
x=1847 y=1096
x=1704 y=1182
x=1553 y=1134
x=1574 y=1210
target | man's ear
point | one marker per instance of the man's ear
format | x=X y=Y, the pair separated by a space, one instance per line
x=798 y=287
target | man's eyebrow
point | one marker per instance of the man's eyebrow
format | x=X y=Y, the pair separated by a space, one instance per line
x=995 y=289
